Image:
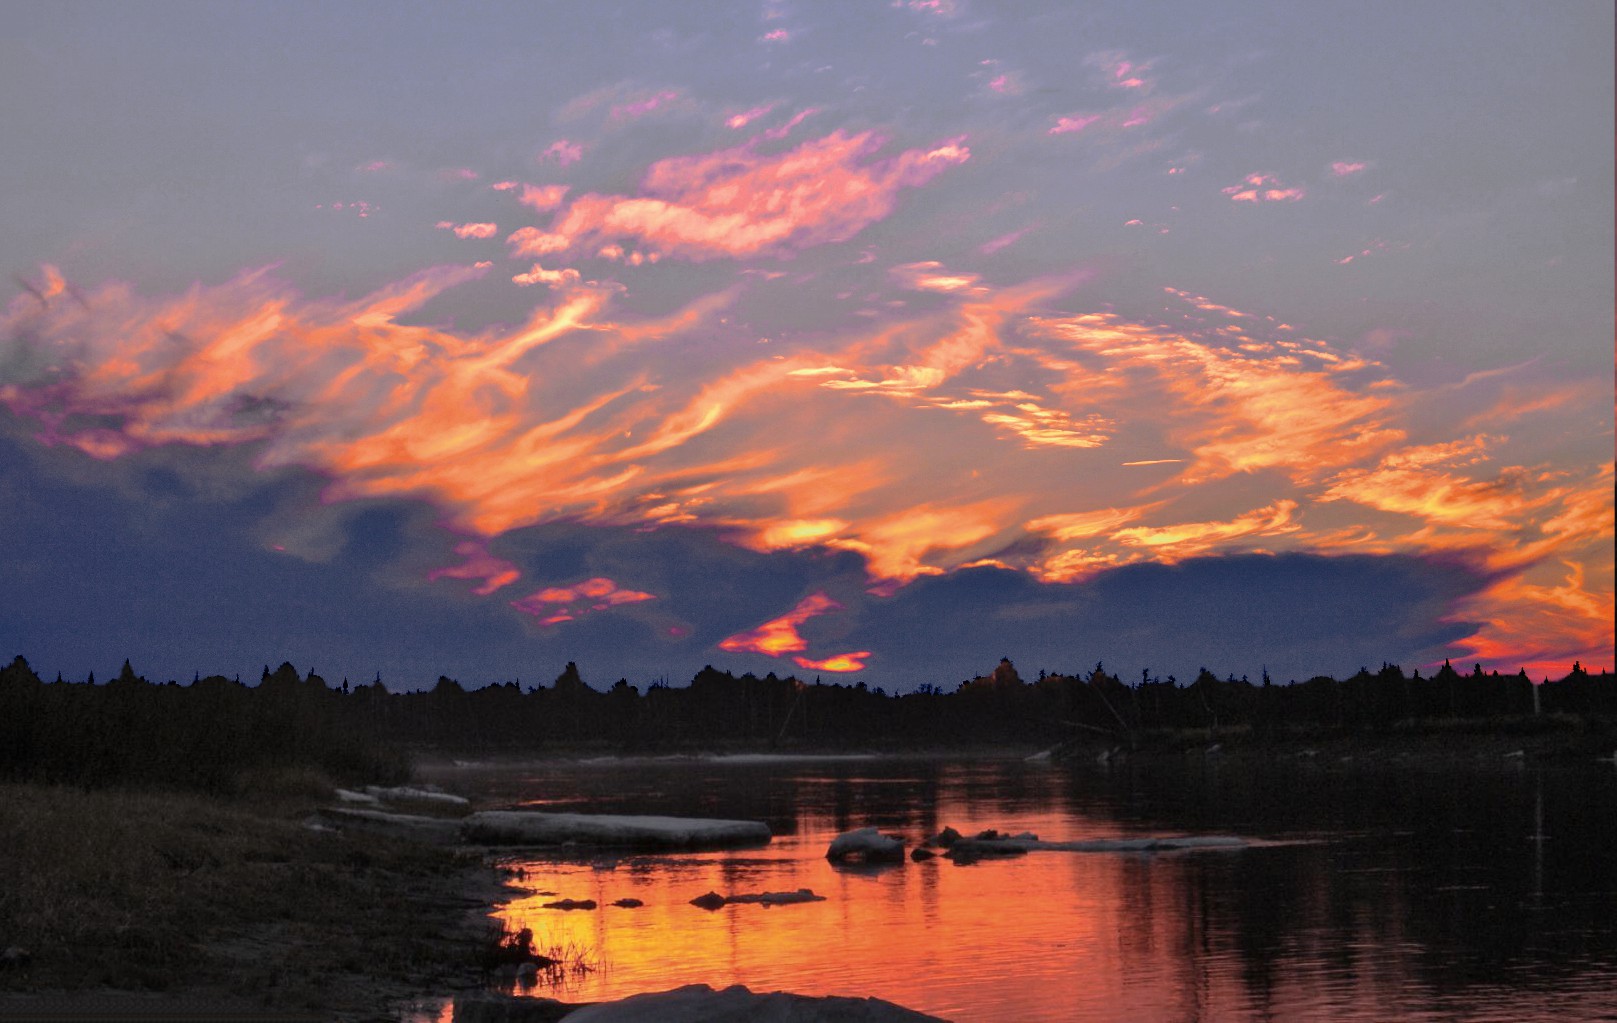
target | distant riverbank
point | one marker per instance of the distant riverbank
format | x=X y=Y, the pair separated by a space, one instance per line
x=1455 y=743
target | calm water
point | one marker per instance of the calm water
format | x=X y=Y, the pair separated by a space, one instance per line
x=1372 y=895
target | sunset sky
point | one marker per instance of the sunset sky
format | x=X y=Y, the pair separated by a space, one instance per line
x=867 y=340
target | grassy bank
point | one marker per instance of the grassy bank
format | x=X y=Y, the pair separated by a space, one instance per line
x=235 y=899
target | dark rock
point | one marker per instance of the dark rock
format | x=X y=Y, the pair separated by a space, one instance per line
x=919 y=854
x=710 y=901
x=628 y=903
x=14 y=958
x=571 y=904
x=970 y=850
x=485 y=1007
x=944 y=839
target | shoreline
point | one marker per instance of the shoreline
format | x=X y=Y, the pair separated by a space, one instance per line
x=213 y=905
x=171 y=904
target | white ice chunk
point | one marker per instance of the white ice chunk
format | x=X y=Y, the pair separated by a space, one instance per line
x=350 y=796
x=521 y=827
x=867 y=844
x=429 y=829
x=407 y=792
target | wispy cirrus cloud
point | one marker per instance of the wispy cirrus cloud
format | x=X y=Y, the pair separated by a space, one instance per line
x=641 y=107
x=739 y=202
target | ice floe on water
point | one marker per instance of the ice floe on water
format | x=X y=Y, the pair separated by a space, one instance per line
x=410 y=793
x=518 y=827
x=866 y=845
x=869 y=845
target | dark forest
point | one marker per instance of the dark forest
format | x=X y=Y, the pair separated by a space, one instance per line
x=214 y=731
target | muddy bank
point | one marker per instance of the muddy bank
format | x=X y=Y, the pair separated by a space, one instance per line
x=173 y=904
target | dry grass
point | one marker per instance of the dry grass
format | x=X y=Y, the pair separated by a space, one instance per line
x=168 y=891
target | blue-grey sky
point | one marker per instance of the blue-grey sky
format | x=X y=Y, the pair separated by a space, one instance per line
x=871 y=339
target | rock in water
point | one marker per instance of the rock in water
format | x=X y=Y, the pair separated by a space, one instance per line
x=712 y=900
x=699 y=1003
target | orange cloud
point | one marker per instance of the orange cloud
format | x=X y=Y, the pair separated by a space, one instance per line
x=779 y=636
x=964 y=435
x=1188 y=539
x=737 y=202
x=854 y=661
x=931 y=275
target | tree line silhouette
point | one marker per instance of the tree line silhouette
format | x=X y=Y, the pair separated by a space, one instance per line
x=211 y=733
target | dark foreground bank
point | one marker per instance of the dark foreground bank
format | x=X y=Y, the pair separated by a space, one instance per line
x=163 y=903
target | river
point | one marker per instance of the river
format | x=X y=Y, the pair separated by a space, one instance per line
x=1368 y=892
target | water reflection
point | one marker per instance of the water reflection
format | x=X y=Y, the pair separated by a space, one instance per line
x=1439 y=895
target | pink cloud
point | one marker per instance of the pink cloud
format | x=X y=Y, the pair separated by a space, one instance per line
x=556 y=604
x=1343 y=169
x=563 y=152
x=778 y=35
x=459 y=174
x=1118 y=72
x=1256 y=188
x=640 y=108
x=479 y=564
x=746 y=117
x=503 y=186
x=786 y=129
x=1073 y=122
x=375 y=166
x=738 y=202
x=359 y=207
x=988 y=248
x=484 y=230
x=1008 y=83
x=542 y=197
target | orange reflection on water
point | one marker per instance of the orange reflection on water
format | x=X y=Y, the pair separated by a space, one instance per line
x=1045 y=936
